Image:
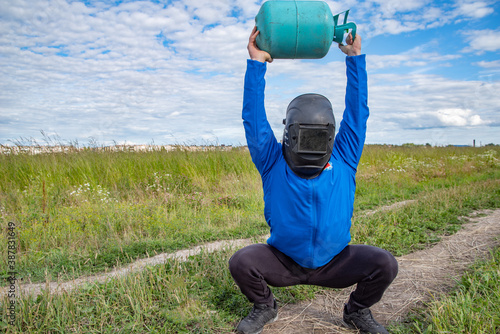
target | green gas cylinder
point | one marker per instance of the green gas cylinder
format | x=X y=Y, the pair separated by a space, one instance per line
x=299 y=29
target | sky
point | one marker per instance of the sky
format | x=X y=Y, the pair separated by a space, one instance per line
x=171 y=71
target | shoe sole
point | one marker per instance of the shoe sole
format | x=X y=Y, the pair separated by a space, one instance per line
x=351 y=326
x=267 y=323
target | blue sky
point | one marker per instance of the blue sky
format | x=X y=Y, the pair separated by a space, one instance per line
x=171 y=72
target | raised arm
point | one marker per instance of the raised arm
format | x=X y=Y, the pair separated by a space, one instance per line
x=350 y=139
x=261 y=141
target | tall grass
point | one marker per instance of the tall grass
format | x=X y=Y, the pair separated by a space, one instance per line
x=86 y=212
x=191 y=297
x=391 y=173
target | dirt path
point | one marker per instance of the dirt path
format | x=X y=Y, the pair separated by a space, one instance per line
x=421 y=275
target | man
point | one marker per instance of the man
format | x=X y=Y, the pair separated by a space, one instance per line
x=309 y=185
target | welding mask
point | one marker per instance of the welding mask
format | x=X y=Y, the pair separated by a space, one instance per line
x=308 y=135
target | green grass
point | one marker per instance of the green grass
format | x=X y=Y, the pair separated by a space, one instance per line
x=83 y=213
x=421 y=224
x=197 y=296
x=389 y=174
x=472 y=307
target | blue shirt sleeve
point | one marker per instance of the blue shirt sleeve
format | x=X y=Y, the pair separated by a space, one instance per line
x=262 y=144
x=350 y=139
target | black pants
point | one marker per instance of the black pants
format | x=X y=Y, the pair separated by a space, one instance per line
x=371 y=268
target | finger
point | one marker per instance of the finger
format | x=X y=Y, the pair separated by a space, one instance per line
x=349 y=39
x=253 y=33
x=357 y=39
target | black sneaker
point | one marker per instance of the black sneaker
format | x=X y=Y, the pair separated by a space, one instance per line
x=363 y=321
x=260 y=316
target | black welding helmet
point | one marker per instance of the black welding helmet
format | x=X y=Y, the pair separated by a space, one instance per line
x=309 y=134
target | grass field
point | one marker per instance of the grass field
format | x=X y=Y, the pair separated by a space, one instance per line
x=81 y=213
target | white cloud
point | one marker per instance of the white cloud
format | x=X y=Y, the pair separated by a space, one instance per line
x=474 y=9
x=489 y=64
x=412 y=59
x=390 y=7
x=458 y=117
x=482 y=40
x=393 y=26
x=417 y=59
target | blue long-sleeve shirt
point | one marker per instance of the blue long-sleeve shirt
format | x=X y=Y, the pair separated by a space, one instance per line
x=310 y=219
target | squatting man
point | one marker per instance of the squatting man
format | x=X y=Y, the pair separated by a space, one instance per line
x=309 y=184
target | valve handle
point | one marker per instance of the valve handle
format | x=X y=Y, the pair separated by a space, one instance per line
x=339 y=30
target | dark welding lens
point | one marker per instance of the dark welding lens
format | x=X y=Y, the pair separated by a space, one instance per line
x=313 y=141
